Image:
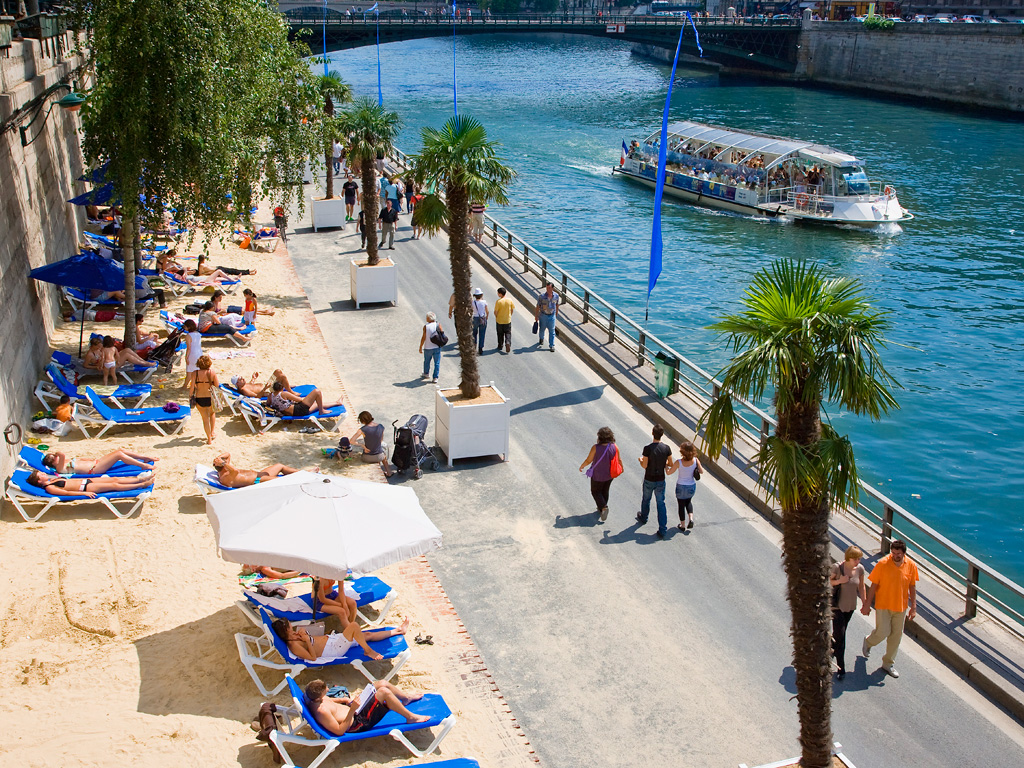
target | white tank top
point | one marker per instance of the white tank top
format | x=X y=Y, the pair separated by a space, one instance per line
x=684 y=475
x=431 y=329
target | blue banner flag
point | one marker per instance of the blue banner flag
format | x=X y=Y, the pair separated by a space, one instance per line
x=325 y=38
x=455 y=74
x=380 y=93
x=696 y=36
x=659 y=187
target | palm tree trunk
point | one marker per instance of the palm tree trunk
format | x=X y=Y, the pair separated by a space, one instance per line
x=462 y=276
x=371 y=209
x=130 y=228
x=806 y=560
x=329 y=160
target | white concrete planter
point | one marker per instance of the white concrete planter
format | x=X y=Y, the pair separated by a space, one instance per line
x=473 y=429
x=794 y=762
x=369 y=285
x=328 y=213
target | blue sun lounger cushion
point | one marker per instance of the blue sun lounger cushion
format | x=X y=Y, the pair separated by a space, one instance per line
x=20 y=491
x=33 y=459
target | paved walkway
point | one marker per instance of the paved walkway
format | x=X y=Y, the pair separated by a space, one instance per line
x=614 y=648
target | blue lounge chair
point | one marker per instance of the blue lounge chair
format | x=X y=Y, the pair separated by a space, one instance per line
x=257 y=651
x=49 y=392
x=180 y=285
x=207 y=481
x=79 y=300
x=247 y=333
x=367 y=589
x=20 y=491
x=231 y=396
x=99 y=413
x=261 y=420
x=432 y=704
x=63 y=359
x=33 y=459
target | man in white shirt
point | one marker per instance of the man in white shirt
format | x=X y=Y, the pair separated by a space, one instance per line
x=337 y=157
x=480 y=314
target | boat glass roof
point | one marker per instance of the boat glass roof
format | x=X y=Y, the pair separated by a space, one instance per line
x=757 y=142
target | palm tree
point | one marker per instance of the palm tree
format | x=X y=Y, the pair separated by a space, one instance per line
x=459 y=160
x=333 y=89
x=811 y=340
x=372 y=130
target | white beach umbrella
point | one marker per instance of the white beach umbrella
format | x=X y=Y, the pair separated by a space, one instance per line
x=321 y=525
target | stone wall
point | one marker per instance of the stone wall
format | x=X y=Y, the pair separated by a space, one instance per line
x=36 y=224
x=978 y=65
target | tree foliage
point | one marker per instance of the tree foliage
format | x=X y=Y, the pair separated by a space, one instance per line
x=810 y=340
x=332 y=90
x=460 y=160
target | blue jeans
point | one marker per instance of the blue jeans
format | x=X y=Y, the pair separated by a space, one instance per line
x=396 y=204
x=431 y=354
x=657 y=489
x=479 y=332
x=547 y=323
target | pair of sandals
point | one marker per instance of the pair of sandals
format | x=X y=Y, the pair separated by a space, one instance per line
x=420 y=640
x=682 y=527
x=309 y=430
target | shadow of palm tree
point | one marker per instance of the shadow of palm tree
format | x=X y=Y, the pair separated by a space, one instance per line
x=576 y=397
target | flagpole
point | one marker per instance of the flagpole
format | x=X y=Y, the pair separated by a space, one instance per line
x=455 y=79
x=325 y=38
x=380 y=93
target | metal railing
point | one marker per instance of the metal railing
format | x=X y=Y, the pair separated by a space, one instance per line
x=983 y=589
x=334 y=19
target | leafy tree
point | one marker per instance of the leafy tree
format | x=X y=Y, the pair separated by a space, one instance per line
x=545 y=6
x=332 y=88
x=811 y=340
x=503 y=7
x=372 y=131
x=194 y=100
x=460 y=160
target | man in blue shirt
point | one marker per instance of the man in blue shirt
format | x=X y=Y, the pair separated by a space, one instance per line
x=545 y=315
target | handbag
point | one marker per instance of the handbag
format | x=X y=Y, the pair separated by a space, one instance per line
x=615 y=468
x=439 y=337
x=835 y=589
x=536 y=326
x=696 y=472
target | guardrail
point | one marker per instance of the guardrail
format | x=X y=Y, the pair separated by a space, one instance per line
x=335 y=19
x=983 y=589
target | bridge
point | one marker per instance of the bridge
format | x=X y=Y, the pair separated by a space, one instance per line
x=761 y=44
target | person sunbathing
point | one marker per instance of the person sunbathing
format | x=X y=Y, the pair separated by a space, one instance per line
x=113 y=358
x=243 y=478
x=290 y=404
x=61 y=464
x=249 y=388
x=344 y=715
x=270 y=573
x=327 y=599
x=88 y=487
x=202 y=270
x=335 y=645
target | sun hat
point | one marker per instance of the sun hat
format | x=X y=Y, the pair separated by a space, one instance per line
x=477 y=292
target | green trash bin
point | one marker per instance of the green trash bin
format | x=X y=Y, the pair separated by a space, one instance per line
x=665 y=367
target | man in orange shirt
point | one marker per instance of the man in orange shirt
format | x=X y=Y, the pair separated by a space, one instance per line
x=894 y=591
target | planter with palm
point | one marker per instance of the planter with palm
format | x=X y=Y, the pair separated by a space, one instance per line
x=459 y=160
x=810 y=340
x=372 y=131
x=334 y=90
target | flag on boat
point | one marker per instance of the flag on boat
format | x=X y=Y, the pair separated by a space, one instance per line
x=625 y=151
x=372 y=9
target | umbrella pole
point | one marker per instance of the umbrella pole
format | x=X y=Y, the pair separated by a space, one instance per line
x=81 y=328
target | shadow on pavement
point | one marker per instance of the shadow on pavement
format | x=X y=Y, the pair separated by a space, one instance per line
x=857 y=679
x=585 y=520
x=577 y=397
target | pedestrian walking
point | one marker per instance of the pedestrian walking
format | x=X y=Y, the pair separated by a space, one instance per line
x=193 y=351
x=894 y=594
x=605 y=465
x=655 y=456
x=503 y=309
x=388 y=218
x=351 y=192
x=481 y=312
x=336 y=151
x=476 y=220
x=687 y=469
x=545 y=315
x=281 y=222
x=361 y=226
x=393 y=194
x=431 y=341
x=202 y=394
x=410 y=193
x=848 y=580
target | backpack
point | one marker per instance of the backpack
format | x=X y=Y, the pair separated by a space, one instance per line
x=265 y=722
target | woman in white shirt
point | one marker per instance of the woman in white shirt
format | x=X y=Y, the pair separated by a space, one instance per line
x=193 y=351
x=687 y=468
x=429 y=349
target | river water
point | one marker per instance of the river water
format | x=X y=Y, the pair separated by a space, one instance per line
x=952 y=278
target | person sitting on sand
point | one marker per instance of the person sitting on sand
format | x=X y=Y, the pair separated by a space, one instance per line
x=335 y=602
x=88 y=487
x=61 y=465
x=243 y=478
x=344 y=715
x=289 y=404
x=335 y=645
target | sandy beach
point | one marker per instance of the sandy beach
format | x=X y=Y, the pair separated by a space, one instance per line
x=117 y=636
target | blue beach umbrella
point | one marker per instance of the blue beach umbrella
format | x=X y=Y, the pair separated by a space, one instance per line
x=86 y=271
x=96 y=176
x=99 y=196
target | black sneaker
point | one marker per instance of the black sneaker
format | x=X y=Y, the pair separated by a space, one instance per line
x=641 y=520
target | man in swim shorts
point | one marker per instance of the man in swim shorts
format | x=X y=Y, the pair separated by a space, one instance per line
x=242 y=478
x=344 y=715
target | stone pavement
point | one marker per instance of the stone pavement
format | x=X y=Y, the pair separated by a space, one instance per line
x=612 y=647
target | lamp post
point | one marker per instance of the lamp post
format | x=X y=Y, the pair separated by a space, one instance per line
x=70 y=102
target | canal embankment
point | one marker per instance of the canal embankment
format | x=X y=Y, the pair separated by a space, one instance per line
x=980 y=66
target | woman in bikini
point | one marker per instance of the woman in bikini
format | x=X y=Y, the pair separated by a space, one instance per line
x=289 y=404
x=202 y=391
x=335 y=645
x=62 y=465
x=89 y=487
x=335 y=602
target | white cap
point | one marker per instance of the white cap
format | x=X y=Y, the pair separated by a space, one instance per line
x=477 y=292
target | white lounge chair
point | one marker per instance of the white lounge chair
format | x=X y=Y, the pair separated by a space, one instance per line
x=98 y=413
x=261 y=420
x=20 y=492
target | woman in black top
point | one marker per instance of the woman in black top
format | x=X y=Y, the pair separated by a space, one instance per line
x=371 y=436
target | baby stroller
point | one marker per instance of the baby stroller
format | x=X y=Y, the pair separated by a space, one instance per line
x=166 y=351
x=411 y=451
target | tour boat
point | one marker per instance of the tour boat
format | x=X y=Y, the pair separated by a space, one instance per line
x=758 y=174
